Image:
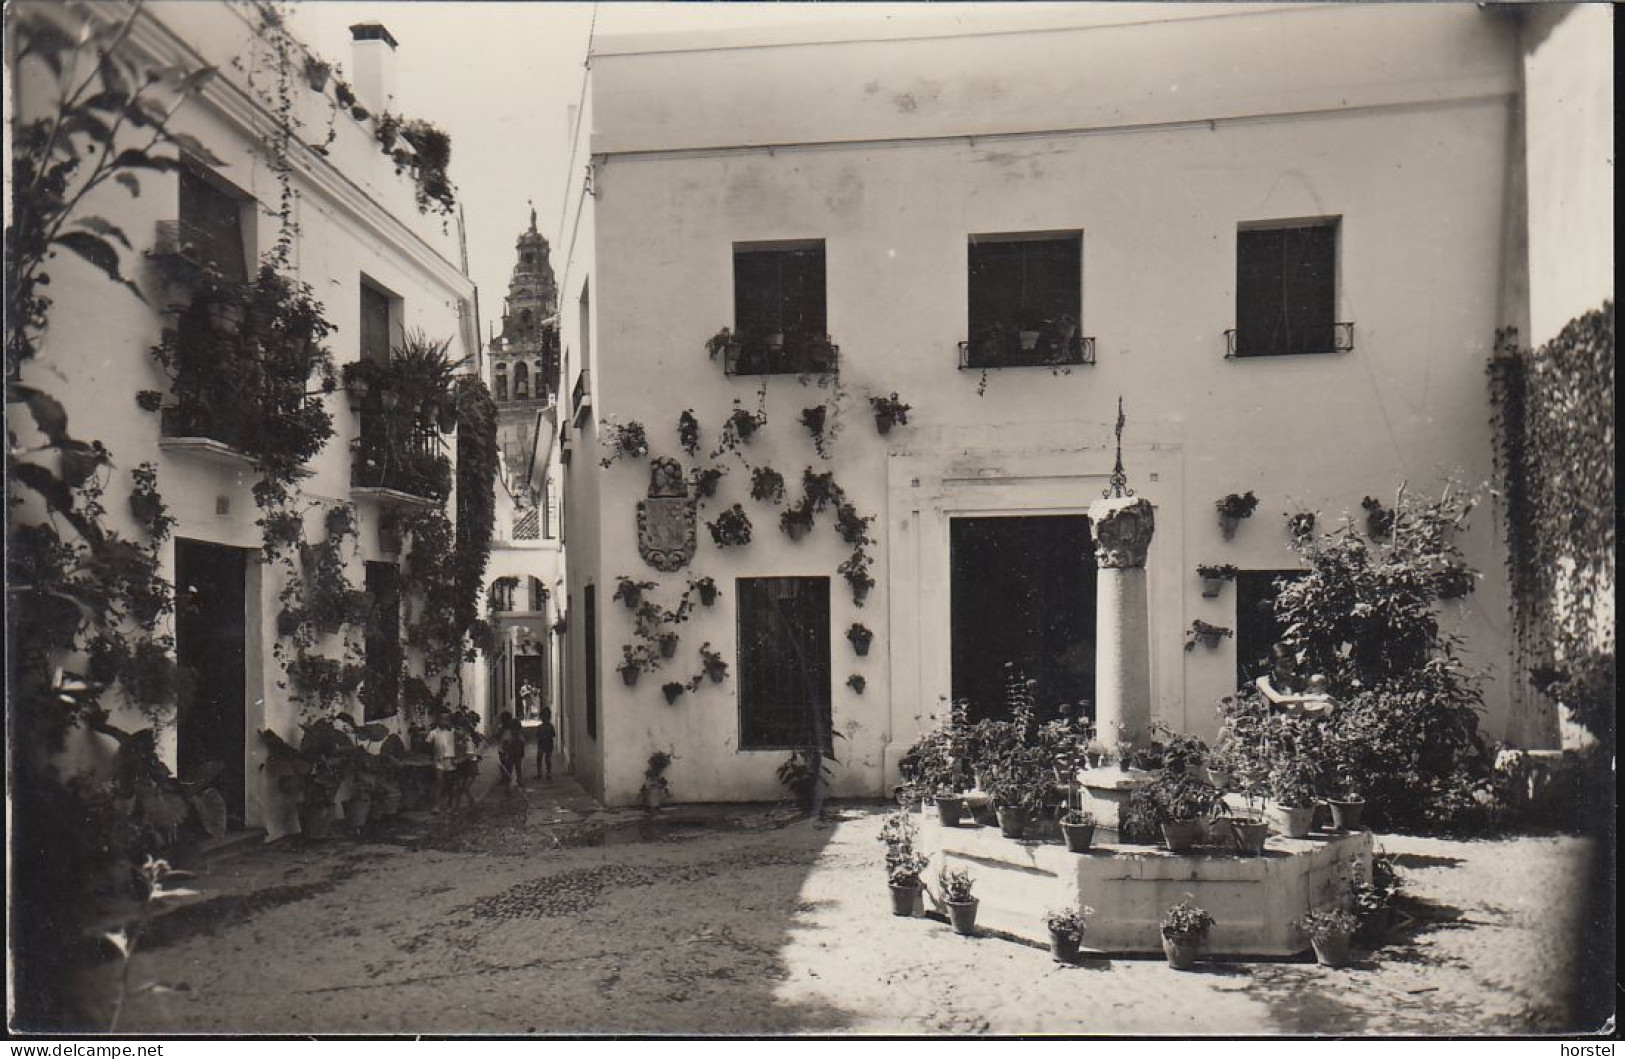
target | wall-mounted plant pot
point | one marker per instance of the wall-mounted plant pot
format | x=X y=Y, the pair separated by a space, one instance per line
x=1211 y=587
x=673 y=692
x=317 y=73
x=629 y=675
x=796 y=530
x=861 y=647
x=668 y=646
x=884 y=423
x=717 y=673
x=860 y=593
x=708 y=594
x=358 y=387
x=632 y=598
x=1228 y=524
x=360 y=113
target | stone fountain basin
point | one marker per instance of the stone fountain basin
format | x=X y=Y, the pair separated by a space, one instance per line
x=1254 y=899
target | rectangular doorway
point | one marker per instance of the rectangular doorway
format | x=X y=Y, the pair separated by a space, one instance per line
x=1022 y=594
x=210 y=622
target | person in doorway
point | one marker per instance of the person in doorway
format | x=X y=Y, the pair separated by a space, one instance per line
x=545 y=734
x=443 y=744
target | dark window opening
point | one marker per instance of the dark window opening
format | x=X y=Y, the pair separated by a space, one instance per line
x=521 y=381
x=374 y=325
x=784 y=664
x=1257 y=630
x=780 y=317
x=212 y=224
x=1026 y=301
x=502 y=593
x=538 y=595
x=589 y=646
x=1286 y=290
x=383 y=646
x=502 y=383
x=1022 y=602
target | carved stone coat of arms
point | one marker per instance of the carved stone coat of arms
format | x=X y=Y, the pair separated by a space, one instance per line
x=666 y=520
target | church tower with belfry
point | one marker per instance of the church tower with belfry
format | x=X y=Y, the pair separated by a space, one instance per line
x=525 y=354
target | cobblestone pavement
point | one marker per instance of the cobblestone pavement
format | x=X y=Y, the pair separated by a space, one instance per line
x=543 y=915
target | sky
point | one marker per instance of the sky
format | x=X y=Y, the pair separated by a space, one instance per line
x=500 y=77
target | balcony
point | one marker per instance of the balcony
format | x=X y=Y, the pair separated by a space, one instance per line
x=398 y=463
x=1009 y=348
x=781 y=353
x=1328 y=338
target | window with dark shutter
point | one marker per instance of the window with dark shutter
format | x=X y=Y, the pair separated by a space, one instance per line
x=780 y=318
x=1257 y=630
x=1025 y=300
x=212 y=225
x=383 y=643
x=784 y=664
x=589 y=645
x=1286 y=291
x=374 y=324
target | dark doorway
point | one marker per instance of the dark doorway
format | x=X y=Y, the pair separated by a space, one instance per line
x=1023 y=592
x=532 y=670
x=1257 y=628
x=210 y=613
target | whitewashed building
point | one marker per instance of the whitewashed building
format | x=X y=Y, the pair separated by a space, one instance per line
x=1285 y=236
x=383 y=260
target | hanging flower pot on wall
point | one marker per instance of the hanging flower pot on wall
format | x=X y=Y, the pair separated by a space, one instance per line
x=629 y=675
x=672 y=690
x=316 y=73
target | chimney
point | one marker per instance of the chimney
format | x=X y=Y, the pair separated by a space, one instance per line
x=373 y=54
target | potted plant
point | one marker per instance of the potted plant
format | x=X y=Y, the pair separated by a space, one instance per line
x=1301 y=525
x=706 y=479
x=742 y=424
x=856 y=572
x=1232 y=509
x=1078 y=829
x=1206 y=634
x=889 y=412
x=1292 y=788
x=1185 y=927
x=956 y=887
x=634 y=660
x=1372 y=901
x=706 y=588
x=857 y=683
x=1329 y=933
x=317 y=72
x=360 y=378
x=861 y=637
x=630 y=592
x=656 y=789
x=673 y=690
x=1347 y=809
x=624 y=440
x=767 y=485
x=1066 y=927
x=731 y=529
x=950 y=807
x=1184 y=804
x=344 y=94
x=797 y=520
x=816 y=420
x=1379 y=520
x=668 y=644
x=903 y=863
x=1214 y=577
x=688 y=432
x=713 y=664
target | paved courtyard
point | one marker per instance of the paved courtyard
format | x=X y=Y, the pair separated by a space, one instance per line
x=547 y=915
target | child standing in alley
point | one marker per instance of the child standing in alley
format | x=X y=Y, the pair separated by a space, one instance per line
x=545 y=735
x=443 y=744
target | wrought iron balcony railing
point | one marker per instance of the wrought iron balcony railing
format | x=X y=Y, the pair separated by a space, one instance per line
x=784 y=354
x=1011 y=350
x=395 y=453
x=1327 y=338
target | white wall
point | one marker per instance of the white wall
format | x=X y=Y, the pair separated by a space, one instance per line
x=1399 y=125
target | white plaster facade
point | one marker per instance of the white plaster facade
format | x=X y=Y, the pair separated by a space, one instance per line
x=356 y=219
x=1154 y=130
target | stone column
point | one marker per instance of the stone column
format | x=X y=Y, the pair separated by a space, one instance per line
x=1122 y=527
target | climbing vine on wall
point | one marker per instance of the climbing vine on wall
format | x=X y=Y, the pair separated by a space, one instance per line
x=476 y=497
x=1554 y=462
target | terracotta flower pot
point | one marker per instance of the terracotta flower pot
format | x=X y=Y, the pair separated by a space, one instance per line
x=629 y=674
x=796 y=529
x=1078 y=836
x=861 y=647
x=1212 y=586
x=963 y=916
x=950 y=809
x=1181 y=952
x=884 y=423
x=1332 y=950
x=708 y=594
x=1181 y=835
x=1294 y=821
x=904 y=898
x=1346 y=813
x=1012 y=821
x=1249 y=835
x=1064 y=947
